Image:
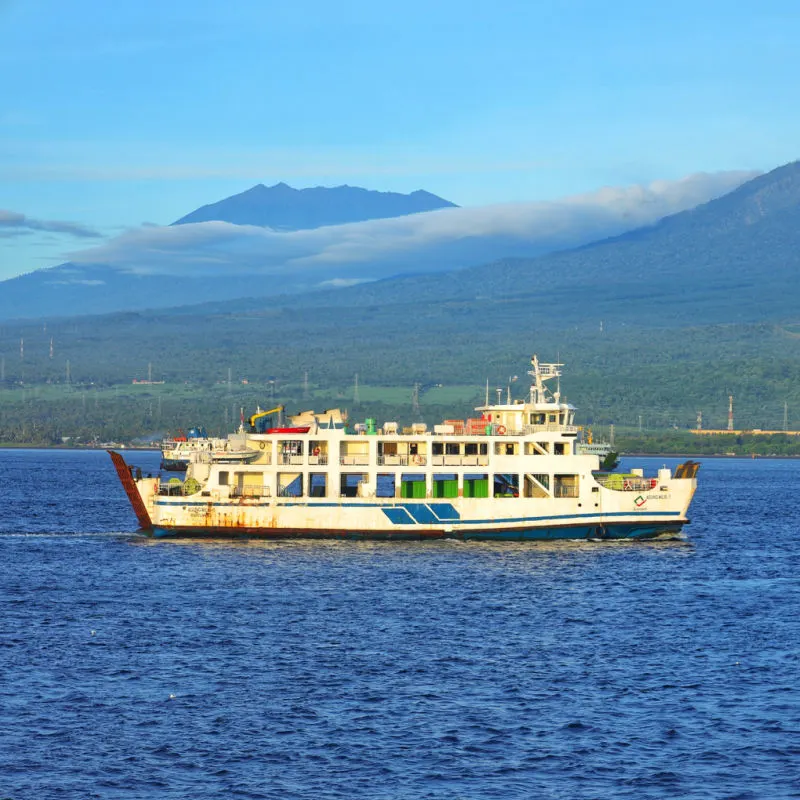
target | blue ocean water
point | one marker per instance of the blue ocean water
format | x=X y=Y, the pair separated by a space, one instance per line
x=139 y=669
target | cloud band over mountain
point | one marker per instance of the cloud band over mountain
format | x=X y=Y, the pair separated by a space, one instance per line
x=435 y=240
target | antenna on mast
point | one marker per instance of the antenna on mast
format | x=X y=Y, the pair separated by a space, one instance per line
x=540 y=373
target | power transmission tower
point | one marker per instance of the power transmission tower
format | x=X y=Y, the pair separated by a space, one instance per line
x=305 y=385
x=415 y=410
x=356 y=399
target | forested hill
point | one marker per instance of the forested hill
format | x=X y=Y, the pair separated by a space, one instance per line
x=282 y=207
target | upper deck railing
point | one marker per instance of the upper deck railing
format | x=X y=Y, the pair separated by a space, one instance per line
x=626 y=483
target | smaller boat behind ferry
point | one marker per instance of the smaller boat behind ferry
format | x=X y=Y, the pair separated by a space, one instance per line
x=196 y=445
x=586 y=444
x=513 y=473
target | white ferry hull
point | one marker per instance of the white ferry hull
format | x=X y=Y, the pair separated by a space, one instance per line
x=514 y=474
x=626 y=515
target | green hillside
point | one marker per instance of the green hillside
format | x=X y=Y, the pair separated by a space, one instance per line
x=656 y=378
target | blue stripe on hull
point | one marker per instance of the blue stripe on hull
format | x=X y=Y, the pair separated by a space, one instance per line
x=594 y=532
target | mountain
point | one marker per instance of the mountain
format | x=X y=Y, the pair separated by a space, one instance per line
x=733 y=259
x=281 y=207
x=687 y=263
x=74 y=289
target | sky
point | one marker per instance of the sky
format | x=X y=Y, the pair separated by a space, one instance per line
x=118 y=116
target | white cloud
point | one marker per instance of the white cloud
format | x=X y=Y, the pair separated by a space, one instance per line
x=444 y=239
x=12 y=223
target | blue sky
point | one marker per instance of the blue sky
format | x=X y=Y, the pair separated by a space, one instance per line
x=117 y=114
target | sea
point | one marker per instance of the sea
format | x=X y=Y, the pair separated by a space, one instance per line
x=132 y=668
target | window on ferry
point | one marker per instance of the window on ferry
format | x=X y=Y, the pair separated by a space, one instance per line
x=249 y=484
x=349 y=482
x=484 y=449
x=476 y=485
x=552 y=418
x=452 y=449
x=471 y=449
x=565 y=485
x=437 y=449
x=537 y=448
x=318 y=451
x=506 y=485
x=559 y=448
x=445 y=485
x=386 y=484
x=537 y=419
x=505 y=448
x=223 y=478
x=413 y=485
x=536 y=485
x=542 y=479
x=290 y=484
x=318 y=484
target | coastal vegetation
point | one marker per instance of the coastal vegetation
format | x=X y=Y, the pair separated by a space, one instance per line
x=649 y=384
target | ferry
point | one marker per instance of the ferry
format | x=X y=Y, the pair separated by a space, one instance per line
x=514 y=473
